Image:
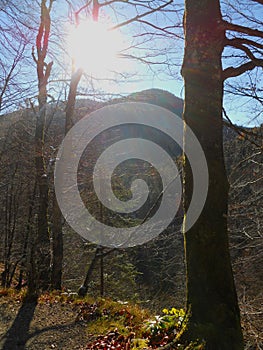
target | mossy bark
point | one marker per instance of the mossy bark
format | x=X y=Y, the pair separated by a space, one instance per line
x=212 y=307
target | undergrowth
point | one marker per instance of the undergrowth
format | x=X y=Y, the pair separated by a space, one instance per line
x=116 y=324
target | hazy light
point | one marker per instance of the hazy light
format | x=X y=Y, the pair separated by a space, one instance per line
x=95 y=49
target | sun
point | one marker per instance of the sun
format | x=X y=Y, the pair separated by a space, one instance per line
x=95 y=48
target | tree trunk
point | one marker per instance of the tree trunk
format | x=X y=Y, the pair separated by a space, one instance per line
x=25 y=259
x=84 y=287
x=212 y=307
x=99 y=253
x=56 y=247
x=57 y=234
x=41 y=252
x=74 y=82
x=101 y=272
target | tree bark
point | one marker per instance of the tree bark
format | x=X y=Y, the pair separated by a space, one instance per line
x=74 y=82
x=212 y=307
x=84 y=287
x=56 y=247
x=57 y=234
x=41 y=252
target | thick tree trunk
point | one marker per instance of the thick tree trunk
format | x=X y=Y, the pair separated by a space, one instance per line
x=212 y=307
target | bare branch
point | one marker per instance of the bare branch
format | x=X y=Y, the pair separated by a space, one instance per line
x=239 y=130
x=106 y=3
x=162 y=29
x=237 y=42
x=258 y=1
x=234 y=72
x=136 y=18
x=33 y=54
x=142 y=59
x=242 y=29
x=241 y=91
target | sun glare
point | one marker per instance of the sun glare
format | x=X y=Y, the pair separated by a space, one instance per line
x=94 y=48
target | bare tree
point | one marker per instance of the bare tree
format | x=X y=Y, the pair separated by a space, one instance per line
x=39 y=276
x=17 y=182
x=212 y=307
x=17 y=32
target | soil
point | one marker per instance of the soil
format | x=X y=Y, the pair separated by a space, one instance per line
x=40 y=326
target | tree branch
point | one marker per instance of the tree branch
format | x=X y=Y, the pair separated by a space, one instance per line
x=237 y=42
x=242 y=29
x=240 y=130
x=81 y=9
x=142 y=59
x=258 y=1
x=106 y=3
x=232 y=72
x=141 y=16
x=164 y=29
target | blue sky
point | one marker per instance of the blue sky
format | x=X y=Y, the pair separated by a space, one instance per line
x=140 y=76
x=167 y=77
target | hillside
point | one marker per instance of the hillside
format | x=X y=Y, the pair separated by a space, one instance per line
x=154 y=272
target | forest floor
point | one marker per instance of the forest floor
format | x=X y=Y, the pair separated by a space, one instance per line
x=62 y=320
x=40 y=326
x=65 y=321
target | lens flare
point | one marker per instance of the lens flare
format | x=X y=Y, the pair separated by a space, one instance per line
x=95 y=48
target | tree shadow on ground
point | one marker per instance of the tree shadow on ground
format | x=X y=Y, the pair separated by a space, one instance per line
x=18 y=334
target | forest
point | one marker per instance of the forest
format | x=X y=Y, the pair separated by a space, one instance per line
x=131 y=190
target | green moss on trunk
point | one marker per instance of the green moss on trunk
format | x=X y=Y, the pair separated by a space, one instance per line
x=213 y=313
